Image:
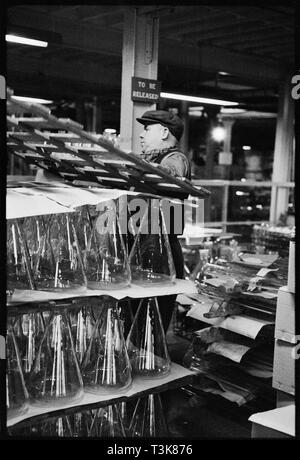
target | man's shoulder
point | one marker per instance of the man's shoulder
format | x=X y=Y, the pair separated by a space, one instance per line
x=175 y=153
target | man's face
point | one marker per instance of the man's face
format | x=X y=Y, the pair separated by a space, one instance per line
x=151 y=137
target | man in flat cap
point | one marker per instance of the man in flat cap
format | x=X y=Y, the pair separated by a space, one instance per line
x=159 y=140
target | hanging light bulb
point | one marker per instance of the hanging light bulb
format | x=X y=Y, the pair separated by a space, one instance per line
x=218 y=134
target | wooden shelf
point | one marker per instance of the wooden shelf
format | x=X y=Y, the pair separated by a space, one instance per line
x=179 y=376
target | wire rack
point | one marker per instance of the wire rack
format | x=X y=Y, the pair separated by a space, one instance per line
x=62 y=147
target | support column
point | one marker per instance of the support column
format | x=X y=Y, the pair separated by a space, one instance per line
x=225 y=168
x=184 y=141
x=283 y=151
x=139 y=59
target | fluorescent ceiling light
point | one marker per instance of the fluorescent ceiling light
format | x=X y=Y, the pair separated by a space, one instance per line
x=202 y=100
x=35 y=100
x=196 y=113
x=196 y=108
x=231 y=110
x=246 y=147
x=25 y=41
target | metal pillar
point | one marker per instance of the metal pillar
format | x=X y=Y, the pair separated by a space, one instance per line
x=184 y=141
x=139 y=59
x=283 y=152
x=225 y=169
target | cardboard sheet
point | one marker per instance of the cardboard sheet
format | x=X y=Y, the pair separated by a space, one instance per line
x=230 y=350
x=45 y=199
x=281 y=419
x=139 y=384
x=133 y=291
x=241 y=324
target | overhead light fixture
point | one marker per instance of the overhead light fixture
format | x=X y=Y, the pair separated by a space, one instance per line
x=246 y=147
x=201 y=100
x=196 y=111
x=221 y=72
x=196 y=108
x=218 y=133
x=233 y=110
x=35 y=100
x=25 y=41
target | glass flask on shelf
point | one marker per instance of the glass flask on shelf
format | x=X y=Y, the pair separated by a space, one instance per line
x=16 y=391
x=123 y=411
x=82 y=322
x=148 y=419
x=105 y=258
x=105 y=366
x=150 y=257
x=146 y=342
x=83 y=222
x=37 y=232
x=19 y=273
x=125 y=316
x=29 y=329
x=55 y=376
x=69 y=424
x=107 y=423
x=63 y=255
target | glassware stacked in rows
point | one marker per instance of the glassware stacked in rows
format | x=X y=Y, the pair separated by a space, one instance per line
x=141 y=417
x=56 y=353
x=87 y=248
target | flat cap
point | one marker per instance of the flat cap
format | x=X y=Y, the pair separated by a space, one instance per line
x=168 y=119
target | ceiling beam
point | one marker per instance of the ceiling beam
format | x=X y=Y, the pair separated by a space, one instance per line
x=260 y=39
x=235 y=16
x=215 y=59
x=91 y=73
x=98 y=14
x=107 y=42
x=248 y=33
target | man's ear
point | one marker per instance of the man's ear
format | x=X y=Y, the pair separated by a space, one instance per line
x=165 y=132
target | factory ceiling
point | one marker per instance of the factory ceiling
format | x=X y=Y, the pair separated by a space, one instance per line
x=240 y=52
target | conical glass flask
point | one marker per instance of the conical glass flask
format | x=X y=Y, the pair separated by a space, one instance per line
x=150 y=258
x=16 y=391
x=82 y=321
x=63 y=254
x=122 y=407
x=148 y=419
x=29 y=329
x=42 y=261
x=106 y=365
x=146 y=341
x=69 y=424
x=125 y=315
x=107 y=423
x=55 y=376
x=83 y=222
x=105 y=258
x=19 y=273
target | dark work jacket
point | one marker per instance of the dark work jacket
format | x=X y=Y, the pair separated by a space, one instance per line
x=174 y=243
